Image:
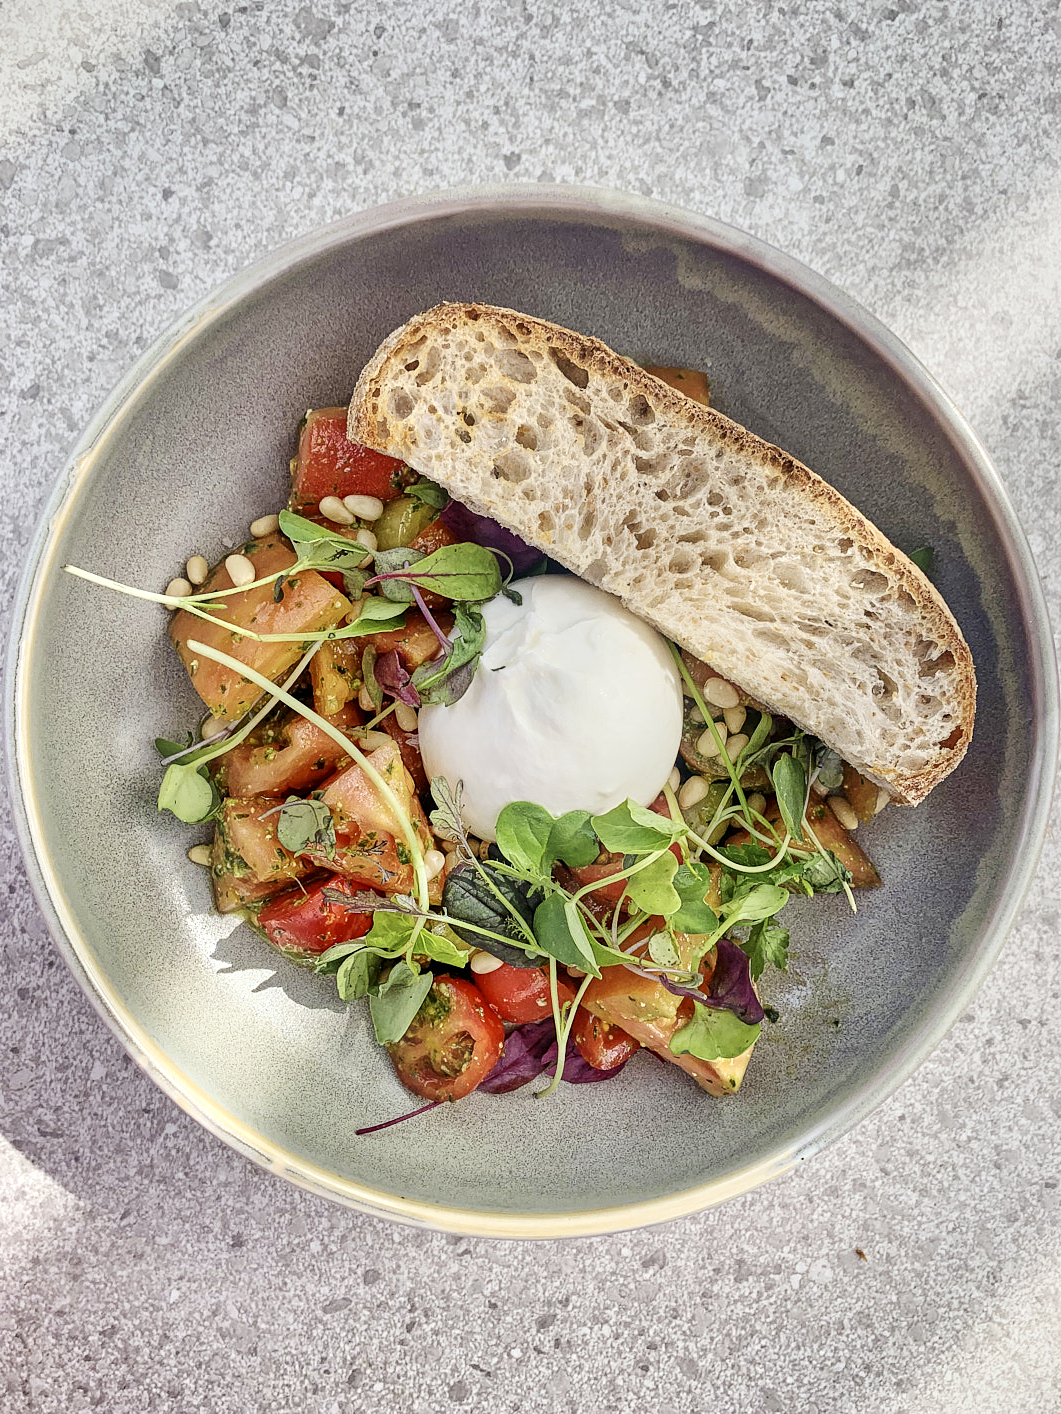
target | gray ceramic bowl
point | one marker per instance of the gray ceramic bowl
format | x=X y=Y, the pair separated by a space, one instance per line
x=194 y=443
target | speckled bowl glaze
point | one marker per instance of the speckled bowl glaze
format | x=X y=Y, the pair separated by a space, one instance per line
x=194 y=443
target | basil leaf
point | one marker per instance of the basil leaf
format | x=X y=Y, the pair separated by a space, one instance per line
x=767 y=946
x=329 y=962
x=790 y=785
x=573 y=840
x=396 y=1002
x=693 y=884
x=390 y=932
x=368 y=672
x=561 y=932
x=922 y=558
x=188 y=792
x=357 y=974
x=632 y=829
x=651 y=890
x=319 y=547
x=440 y=943
x=523 y=831
x=468 y=896
x=831 y=770
x=429 y=492
x=713 y=1035
x=303 y=823
x=375 y=615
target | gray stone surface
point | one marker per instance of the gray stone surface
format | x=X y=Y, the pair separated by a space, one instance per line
x=908 y=151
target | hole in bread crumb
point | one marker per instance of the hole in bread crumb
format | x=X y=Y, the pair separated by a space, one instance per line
x=929 y=667
x=716 y=560
x=497 y=399
x=663 y=494
x=463 y=435
x=758 y=612
x=639 y=411
x=571 y=371
x=400 y=403
x=546 y=523
x=885 y=686
x=870 y=581
x=412 y=367
x=844 y=545
x=714 y=498
x=512 y=466
x=682 y=561
x=526 y=437
x=515 y=364
x=646 y=539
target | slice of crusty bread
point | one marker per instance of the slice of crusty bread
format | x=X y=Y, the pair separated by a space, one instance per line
x=726 y=544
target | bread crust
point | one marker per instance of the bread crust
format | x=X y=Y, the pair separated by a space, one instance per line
x=929 y=615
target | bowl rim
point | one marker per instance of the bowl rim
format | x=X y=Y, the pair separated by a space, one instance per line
x=594 y=205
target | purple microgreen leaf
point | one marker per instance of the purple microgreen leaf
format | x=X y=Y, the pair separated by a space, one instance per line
x=393 y=677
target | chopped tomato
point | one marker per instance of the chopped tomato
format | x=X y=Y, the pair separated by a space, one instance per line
x=600 y=1043
x=652 y=1015
x=409 y=746
x=286 y=759
x=601 y=900
x=335 y=672
x=303 y=923
x=453 y=1042
x=434 y=536
x=329 y=464
x=307 y=604
x=521 y=993
x=416 y=642
x=246 y=834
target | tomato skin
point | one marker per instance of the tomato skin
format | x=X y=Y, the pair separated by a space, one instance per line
x=600 y=1043
x=304 y=924
x=329 y=464
x=453 y=1042
x=521 y=994
x=416 y=642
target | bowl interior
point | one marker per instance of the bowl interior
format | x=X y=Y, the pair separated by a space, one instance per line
x=265 y=1050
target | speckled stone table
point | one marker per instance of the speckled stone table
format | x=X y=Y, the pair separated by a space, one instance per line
x=912 y=153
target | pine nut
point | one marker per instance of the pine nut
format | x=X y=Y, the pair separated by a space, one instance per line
x=707 y=745
x=695 y=715
x=843 y=811
x=240 y=570
x=720 y=693
x=208 y=727
x=484 y=848
x=434 y=863
x=364 y=700
x=449 y=847
x=735 y=745
x=178 y=588
x=197 y=569
x=200 y=854
x=735 y=718
x=265 y=525
x=756 y=801
x=883 y=798
x=331 y=508
x=674 y=780
x=366 y=538
x=483 y=962
x=406 y=717
x=364 y=507
x=372 y=741
x=692 y=792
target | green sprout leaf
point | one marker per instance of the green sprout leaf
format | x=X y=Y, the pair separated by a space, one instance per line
x=693 y=883
x=522 y=833
x=766 y=946
x=560 y=931
x=188 y=792
x=444 y=680
x=464 y=571
x=712 y=1034
x=573 y=840
x=304 y=824
x=662 y=951
x=630 y=828
x=357 y=974
x=397 y=1000
x=790 y=784
x=650 y=888
x=429 y=492
x=923 y=557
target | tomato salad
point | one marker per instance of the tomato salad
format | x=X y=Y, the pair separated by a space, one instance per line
x=568 y=943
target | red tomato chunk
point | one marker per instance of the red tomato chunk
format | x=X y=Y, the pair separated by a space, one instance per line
x=521 y=994
x=329 y=464
x=452 y=1044
x=303 y=923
